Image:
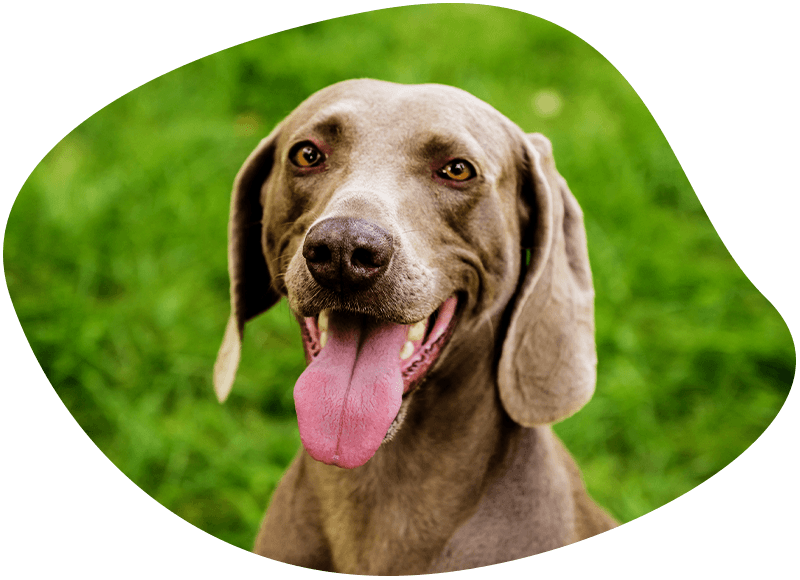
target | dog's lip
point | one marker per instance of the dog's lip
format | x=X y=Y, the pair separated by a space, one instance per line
x=440 y=326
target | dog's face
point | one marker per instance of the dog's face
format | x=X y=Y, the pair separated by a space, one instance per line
x=422 y=173
x=398 y=227
x=392 y=218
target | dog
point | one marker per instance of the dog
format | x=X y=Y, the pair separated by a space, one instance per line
x=436 y=263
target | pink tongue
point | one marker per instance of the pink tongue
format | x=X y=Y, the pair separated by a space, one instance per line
x=348 y=396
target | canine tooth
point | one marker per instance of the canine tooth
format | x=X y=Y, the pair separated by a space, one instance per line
x=407 y=350
x=416 y=331
x=322 y=322
x=323 y=338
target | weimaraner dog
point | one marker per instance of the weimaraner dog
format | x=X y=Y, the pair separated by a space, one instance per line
x=436 y=263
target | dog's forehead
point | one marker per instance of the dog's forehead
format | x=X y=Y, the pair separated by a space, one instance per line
x=404 y=110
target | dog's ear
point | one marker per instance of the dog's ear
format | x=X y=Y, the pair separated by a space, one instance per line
x=251 y=288
x=547 y=369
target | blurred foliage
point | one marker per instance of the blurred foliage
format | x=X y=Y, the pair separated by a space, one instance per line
x=115 y=258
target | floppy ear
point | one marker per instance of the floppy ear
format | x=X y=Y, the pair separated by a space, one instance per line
x=251 y=289
x=547 y=369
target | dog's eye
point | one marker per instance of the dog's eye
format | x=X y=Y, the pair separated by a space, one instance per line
x=457 y=170
x=306 y=154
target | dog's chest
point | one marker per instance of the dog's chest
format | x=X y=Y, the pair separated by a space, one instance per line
x=391 y=528
x=383 y=536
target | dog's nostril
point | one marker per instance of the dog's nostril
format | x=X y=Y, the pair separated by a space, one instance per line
x=364 y=258
x=317 y=254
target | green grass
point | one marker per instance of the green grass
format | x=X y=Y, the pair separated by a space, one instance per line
x=115 y=258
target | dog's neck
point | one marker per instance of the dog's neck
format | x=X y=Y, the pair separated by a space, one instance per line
x=451 y=443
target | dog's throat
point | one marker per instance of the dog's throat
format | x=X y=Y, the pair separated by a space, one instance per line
x=352 y=390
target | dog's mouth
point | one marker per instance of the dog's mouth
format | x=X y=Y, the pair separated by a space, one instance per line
x=422 y=344
x=360 y=367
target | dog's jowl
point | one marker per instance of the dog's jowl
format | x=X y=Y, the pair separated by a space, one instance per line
x=396 y=221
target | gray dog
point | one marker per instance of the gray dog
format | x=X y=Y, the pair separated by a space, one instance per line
x=436 y=263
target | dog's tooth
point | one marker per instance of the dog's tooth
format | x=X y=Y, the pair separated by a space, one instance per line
x=416 y=331
x=323 y=338
x=407 y=350
x=322 y=322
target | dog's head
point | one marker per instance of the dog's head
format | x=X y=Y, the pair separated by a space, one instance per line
x=393 y=218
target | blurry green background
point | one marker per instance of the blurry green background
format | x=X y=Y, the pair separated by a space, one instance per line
x=115 y=258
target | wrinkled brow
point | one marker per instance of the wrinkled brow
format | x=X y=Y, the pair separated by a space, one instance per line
x=330 y=123
x=435 y=144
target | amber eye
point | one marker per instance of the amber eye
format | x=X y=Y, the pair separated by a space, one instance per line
x=457 y=170
x=306 y=154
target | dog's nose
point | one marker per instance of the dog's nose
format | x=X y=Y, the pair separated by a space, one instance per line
x=346 y=254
